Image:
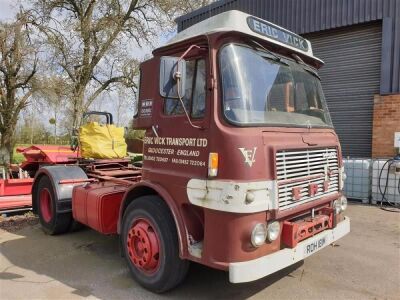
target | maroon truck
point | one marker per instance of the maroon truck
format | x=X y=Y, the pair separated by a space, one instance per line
x=242 y=168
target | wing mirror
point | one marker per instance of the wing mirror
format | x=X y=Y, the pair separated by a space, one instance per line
x=172 y=68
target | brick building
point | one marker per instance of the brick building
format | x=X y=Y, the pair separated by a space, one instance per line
x=359 y=40
x=386 y=121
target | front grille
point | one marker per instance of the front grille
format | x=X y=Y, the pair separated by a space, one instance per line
x=298 y=171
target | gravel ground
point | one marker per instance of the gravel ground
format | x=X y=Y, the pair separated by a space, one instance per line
x=18 y=222
x=86 y=265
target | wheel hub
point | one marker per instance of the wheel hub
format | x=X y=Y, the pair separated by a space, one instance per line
x=46 y=206
x=143 y=246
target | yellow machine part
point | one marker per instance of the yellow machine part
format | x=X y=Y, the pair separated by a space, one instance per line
x=102 y=141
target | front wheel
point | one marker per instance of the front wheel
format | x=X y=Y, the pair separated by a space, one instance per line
x=150 y=242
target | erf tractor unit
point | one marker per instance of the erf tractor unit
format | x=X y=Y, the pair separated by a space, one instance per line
x=242 y=170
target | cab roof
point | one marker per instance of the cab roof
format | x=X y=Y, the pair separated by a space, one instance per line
x=241 y=22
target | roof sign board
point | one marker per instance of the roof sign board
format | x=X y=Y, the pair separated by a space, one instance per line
x=237 y=21
x=270 y=30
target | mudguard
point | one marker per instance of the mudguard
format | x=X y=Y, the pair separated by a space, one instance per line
x=63 y=190
x=147 y=188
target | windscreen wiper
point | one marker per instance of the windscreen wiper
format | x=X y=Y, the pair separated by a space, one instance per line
x=276 y=57
x=305 y=66
x=312 y=73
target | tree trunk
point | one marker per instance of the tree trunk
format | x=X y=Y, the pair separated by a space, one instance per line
x=10 y=149
x=6 y=149
x=77 y=112
x=4 y=155
x=7 y=137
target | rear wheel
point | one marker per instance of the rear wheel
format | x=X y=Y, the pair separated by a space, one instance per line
x=150 y=242
x=51 y=221
x=46 y=205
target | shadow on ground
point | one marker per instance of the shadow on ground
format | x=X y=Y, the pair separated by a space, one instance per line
x=91 y=265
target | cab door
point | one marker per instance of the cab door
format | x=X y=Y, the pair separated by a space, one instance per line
x=179 y=149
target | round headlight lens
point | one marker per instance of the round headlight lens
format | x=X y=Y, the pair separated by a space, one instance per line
x=343 y=203
x=258 y=235
x=273 y=231
x=337 y=206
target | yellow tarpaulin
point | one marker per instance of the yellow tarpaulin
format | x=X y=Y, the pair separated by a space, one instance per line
x=102 y=141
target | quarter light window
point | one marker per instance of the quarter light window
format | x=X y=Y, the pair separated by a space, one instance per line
x=195 y=92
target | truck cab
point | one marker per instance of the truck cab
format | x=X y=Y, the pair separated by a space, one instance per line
x=253 y=151
x=242 y=169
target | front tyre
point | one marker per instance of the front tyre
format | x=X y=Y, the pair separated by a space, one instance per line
x=52 y=222
x=150 y=243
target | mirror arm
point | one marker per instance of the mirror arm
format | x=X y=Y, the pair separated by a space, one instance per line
x=178 y=81
x=184 y=55
x=188 y=50
x=177 y=77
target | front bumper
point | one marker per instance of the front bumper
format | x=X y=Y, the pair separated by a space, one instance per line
x=257 y=268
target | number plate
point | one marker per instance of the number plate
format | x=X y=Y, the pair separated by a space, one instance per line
x=314 y=246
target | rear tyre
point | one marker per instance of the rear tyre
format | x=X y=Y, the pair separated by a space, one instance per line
x=150 y=243
x=52 y=222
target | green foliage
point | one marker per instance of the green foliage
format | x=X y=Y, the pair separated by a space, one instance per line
x=18 y=157
x=134 y=134
x=32 y=133
x=135 y=157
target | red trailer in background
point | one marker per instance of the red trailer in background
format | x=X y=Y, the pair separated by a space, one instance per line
x=16 y=182
x=15 y=194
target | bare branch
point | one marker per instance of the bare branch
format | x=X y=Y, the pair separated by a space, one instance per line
x=102 y=88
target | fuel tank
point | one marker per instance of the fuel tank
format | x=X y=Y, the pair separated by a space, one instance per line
x=97 y=205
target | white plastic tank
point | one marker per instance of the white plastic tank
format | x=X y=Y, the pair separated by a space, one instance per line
x=392 y=194
x=358 y=182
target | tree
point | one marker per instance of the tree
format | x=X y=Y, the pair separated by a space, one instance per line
x=189 y=6
x=18 y=66
x=84 y=37
x=90 y=40
x=51 y=94
x=123 y=106
x=30 y=129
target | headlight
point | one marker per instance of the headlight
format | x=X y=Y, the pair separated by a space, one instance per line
x=343 y=203
x=273 y=231
x=258 y=235
x=337 y=206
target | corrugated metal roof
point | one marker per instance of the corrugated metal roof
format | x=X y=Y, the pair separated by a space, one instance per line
x=307 y=16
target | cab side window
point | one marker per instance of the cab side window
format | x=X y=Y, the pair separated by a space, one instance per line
x=195 y=92
x=199 y=91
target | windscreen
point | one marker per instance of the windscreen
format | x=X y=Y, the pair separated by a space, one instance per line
x=260 y=88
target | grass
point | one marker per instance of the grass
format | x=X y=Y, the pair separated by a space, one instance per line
x=18 y=157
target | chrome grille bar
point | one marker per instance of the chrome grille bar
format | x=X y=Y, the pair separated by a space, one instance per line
x=298 y=169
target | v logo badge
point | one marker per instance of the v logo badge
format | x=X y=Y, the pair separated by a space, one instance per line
x=249 y=155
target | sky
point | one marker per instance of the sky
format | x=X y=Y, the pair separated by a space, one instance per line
x=7 y=9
